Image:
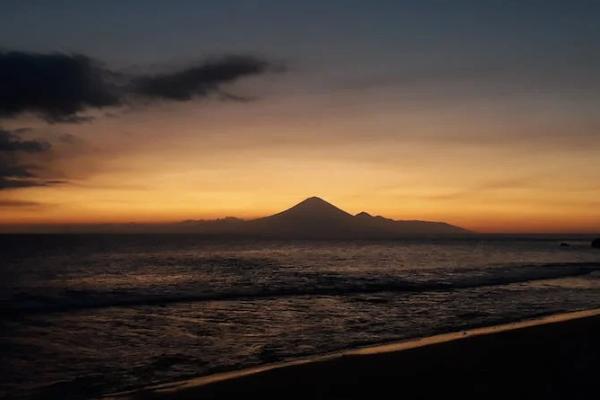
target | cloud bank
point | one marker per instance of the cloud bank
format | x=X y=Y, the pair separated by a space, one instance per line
x=15 y=170
x=198 y=81
x=59 y=87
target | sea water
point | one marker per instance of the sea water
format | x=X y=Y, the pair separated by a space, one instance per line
x=86 y=315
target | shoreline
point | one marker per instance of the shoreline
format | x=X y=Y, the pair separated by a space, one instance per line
x=264 y=374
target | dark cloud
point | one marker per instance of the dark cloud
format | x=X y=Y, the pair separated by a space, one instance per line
x=15 y=170
x=199 y=81
x=14 y=175
x=59 y=87
x=12 y=183
x=10 y=142
x=62 y=87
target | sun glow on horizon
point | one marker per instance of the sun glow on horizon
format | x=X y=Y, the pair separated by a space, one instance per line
x=495 y=132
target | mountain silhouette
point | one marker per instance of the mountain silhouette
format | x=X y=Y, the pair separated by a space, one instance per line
x=315 y=218
x=312 y=210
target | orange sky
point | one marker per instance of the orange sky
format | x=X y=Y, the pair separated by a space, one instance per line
x=484 y=116
x=482 y=167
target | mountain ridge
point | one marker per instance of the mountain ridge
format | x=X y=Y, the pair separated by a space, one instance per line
x=312 y=218
x=315 y=218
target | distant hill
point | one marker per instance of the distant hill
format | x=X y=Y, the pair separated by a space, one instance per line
x=314 y=218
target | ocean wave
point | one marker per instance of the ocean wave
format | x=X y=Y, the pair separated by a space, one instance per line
x=23 y=302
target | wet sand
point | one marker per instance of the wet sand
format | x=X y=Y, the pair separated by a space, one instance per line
x=555 y=357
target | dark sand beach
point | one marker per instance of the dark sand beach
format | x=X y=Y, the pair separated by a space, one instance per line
x=555 y=357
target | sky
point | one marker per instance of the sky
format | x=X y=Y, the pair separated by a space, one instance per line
x=481 y=113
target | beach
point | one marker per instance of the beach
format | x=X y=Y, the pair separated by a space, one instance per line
x=553 y=357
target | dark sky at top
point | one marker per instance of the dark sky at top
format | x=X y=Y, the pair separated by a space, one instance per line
x=381 y=35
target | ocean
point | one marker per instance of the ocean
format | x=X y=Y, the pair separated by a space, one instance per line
x=86 y=315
